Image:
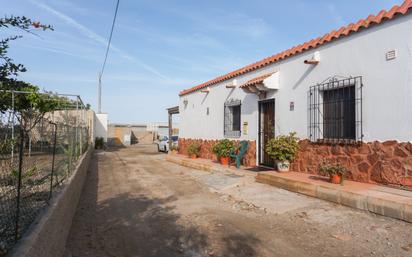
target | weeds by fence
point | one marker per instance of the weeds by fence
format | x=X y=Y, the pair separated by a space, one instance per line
x=39 y=149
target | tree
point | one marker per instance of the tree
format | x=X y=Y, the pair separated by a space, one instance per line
x=32 y=105
x=8 y=67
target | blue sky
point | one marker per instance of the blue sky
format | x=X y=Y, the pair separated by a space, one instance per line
x=161 y=47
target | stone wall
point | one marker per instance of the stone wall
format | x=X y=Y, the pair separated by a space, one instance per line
x=387 y=162
x=249 y=159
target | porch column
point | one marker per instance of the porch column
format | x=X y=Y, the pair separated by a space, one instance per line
x=170 y=130
x=171 y=111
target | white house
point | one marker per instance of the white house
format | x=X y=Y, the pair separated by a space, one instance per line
x=351 y=85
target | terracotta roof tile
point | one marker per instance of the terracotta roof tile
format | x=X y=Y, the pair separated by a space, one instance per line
x=256 y=80
x=334 y=35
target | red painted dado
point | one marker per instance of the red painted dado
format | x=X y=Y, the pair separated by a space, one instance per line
x=206 y=152
x=387 y=162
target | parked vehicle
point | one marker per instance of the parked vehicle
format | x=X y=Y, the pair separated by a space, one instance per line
x=163 y=144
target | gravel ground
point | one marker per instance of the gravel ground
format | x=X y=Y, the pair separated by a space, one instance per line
x=135 y=203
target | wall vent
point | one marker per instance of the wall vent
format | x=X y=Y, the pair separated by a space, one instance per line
x=390 y=55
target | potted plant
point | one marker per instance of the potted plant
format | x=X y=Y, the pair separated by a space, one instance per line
x=175 y=149
x=336 y=172
x=193 y=150
x=283 y=150
x=222 y=149
x=99 y=143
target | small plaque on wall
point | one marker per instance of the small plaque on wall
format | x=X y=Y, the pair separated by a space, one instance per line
x=291 y=106
x=245 y=128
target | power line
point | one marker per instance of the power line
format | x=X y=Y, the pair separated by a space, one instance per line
x=110 y=38
x=105 y=59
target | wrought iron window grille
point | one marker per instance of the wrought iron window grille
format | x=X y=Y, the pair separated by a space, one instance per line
x=232 y=118
x=335 y=111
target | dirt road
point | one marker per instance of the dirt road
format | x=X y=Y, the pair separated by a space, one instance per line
x=134 y=203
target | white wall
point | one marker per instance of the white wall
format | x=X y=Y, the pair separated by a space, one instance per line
x=100 y=125
x=387 y=92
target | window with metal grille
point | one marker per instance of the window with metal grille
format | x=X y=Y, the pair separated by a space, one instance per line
x=335 y=111
x=232 y=126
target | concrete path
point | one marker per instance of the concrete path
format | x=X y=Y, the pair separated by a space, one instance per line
x=390 y=202
x=134 y=203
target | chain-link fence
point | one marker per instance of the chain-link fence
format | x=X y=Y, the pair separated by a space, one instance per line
x=39 y=148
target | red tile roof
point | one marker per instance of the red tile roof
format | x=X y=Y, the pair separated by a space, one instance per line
x=314 y=43
x=256 y=80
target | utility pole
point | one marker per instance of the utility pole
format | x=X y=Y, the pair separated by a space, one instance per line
x=99 y=97
x=99 y=94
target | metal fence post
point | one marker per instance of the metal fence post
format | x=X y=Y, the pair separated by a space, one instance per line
x=77 y=152
x=53 y=160
x=12 y=125
x=21 y=151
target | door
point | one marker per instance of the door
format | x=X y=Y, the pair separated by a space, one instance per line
x=266 y=130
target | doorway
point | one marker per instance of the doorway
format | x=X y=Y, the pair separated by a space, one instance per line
x=266 y=130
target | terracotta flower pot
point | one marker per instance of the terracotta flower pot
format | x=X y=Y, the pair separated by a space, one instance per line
x=336 y=179
x=193 y=156
x=224 y=160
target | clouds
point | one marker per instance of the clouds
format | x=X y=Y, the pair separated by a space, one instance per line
x=70 y=21
x=163 y=46
x=235 y=23
x=336 y=16
x=96 y=38
x=175 y=39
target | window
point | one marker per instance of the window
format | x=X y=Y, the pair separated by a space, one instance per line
x=339 y=113
x=336 y=111
x=232 y=118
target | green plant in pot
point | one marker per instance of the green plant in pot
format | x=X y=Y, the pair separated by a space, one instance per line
x=193 y=150
x=222 y=149
x=99 y=143
x=175 y=149
x=336 y=172
x=283 y=150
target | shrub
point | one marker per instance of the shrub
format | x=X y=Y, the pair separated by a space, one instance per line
x=283 y=148
x=7 y=145
x=193 y=149
x=223 y=148
x=99 y=143
x=332 y=169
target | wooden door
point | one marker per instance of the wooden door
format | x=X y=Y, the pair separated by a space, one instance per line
x=266 y=130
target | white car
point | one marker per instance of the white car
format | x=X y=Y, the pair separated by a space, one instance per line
x=163 y=144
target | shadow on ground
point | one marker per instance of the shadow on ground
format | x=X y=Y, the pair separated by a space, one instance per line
x=123 y=223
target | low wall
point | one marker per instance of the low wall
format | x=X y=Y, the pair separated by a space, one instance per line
x=249 y=159
x=48 y=233
x=388 y=163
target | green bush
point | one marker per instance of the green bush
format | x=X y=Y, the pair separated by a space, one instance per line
x=7 y=145
x=283 y=148
x=193 y=149
x=174 y=148
x=99 y=143
x=332 y=169
x=223 y=148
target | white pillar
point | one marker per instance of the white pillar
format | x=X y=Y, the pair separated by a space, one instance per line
x=100 y=125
